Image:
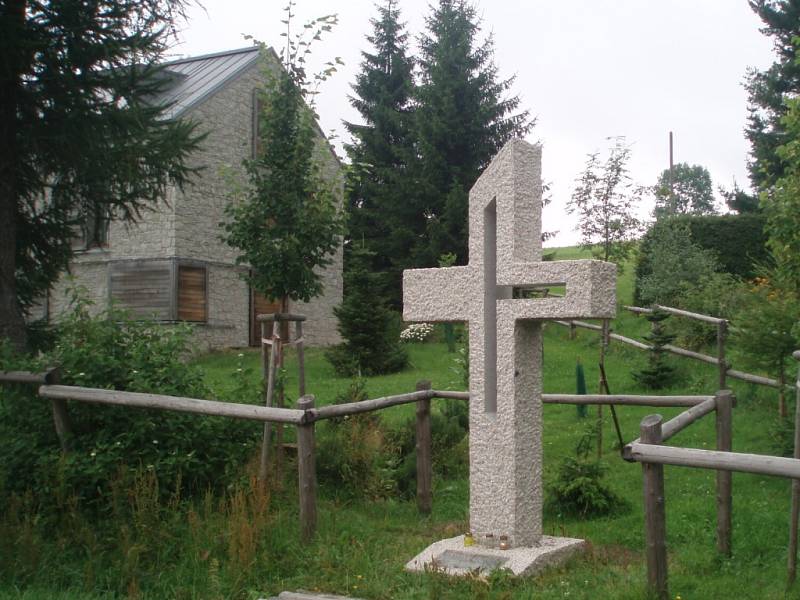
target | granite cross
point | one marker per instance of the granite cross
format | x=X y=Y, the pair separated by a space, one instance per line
x=505 y=344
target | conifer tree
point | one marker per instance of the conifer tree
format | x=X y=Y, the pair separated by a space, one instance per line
x=80 y=135
x=463 y=120
x=383 y=214
x=658 y=373
x=371 y=331
x=768 y=90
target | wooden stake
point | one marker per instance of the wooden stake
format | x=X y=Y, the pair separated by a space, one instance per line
x=301 y=359
x=424 y=458
x=722 y=334
x=262 y=470
x=724 y=400
x=654 y=514
x=795 y=510
x=307 y=473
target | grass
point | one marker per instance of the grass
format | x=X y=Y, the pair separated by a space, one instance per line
x=245 y=545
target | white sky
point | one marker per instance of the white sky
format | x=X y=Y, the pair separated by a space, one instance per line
x=587 y=69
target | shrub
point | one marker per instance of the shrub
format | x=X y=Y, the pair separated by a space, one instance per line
x=578 y=489
x=111 y=443
x=354 y=455
x=370 y=330
x=658 y=373
x=737 y=241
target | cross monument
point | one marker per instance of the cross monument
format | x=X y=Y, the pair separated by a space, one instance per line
x=505 y=350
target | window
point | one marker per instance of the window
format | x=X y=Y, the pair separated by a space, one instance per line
x=91 y=230
x=165 y=290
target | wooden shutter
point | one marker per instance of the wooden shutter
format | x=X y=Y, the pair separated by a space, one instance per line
x=143 y=287
x=191 y=293
x=260 y=306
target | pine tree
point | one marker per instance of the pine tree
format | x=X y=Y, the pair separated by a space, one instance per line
x=463 y=120
x=658 y=373
x=383 y=214
x=768 y=90
x=79 y=132
x=371 y=331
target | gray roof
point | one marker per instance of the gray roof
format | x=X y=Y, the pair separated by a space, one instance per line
x=194 y=79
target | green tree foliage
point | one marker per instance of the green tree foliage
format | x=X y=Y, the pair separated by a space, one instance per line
x=370 y=329
x=687 y=190
x=739 y=200
x=285 y=222
x=674 y=265
x=658 y=373
x=604 y=200
x=768 y=90
x=782 y=205
x=766 y=327
x=384 y=214
x=79 y=133
x=463 y=120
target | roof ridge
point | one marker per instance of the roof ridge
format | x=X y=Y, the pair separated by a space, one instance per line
x=253 y=48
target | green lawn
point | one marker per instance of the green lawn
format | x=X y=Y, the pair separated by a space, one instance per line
x=240 y=548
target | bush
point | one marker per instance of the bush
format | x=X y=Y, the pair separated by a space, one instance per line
x=354 y=455
x=658 y=373
x=737 y=241
x=110 y=443
x=370 y=330
x=579 y=489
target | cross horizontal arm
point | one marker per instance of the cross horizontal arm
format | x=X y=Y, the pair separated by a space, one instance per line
x=444 y=294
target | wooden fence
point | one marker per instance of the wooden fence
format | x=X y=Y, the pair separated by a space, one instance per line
x=720 y=361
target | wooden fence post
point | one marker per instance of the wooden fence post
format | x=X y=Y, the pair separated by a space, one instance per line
x=724 y=401
x=60 y=414
x=795 y=510
x=307 y=473
x=722 y=334
x=424 y=458
x=655 y=525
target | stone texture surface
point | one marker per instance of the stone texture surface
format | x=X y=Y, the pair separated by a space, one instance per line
x=505 y=336
x=186 y=227
x=450 y=556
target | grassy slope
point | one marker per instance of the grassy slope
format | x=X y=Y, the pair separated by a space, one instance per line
x=362 y=546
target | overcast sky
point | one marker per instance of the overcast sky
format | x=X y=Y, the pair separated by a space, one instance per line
x=586 y=69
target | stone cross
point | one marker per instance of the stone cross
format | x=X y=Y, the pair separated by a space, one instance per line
x=505 y=343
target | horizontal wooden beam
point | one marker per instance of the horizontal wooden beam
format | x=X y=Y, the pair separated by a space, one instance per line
x=45 y=377
x=714 y=459
x=449 y=394
x=690 y=315
x=686 y=418
x=249 y=412
x=352 y=408
x=629 y=400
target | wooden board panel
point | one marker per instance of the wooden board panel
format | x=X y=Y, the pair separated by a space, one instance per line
x=143 y=287
x=192 y=294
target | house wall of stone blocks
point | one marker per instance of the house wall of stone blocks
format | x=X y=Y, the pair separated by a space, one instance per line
x=185 y=228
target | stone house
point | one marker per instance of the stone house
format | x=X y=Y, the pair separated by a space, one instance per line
x=172 y=264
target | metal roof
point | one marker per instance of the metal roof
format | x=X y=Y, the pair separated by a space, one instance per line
x=195 y=78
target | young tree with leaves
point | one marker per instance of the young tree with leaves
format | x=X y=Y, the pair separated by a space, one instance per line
x=604 y=201
x=286 y=221
x=685 y=190
x=79 y=134
x=383 y=213
x=463 y=119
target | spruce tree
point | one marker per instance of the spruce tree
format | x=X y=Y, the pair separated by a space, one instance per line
x=658 y=373
x=768 y=90
x=80 y=134
x=383 y=214
x=463 y=120
x=371 y=331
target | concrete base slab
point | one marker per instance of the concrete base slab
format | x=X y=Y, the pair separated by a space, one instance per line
x=450 y=556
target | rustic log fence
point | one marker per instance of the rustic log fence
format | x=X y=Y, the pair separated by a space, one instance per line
x=648 y=449
x=720 y=361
